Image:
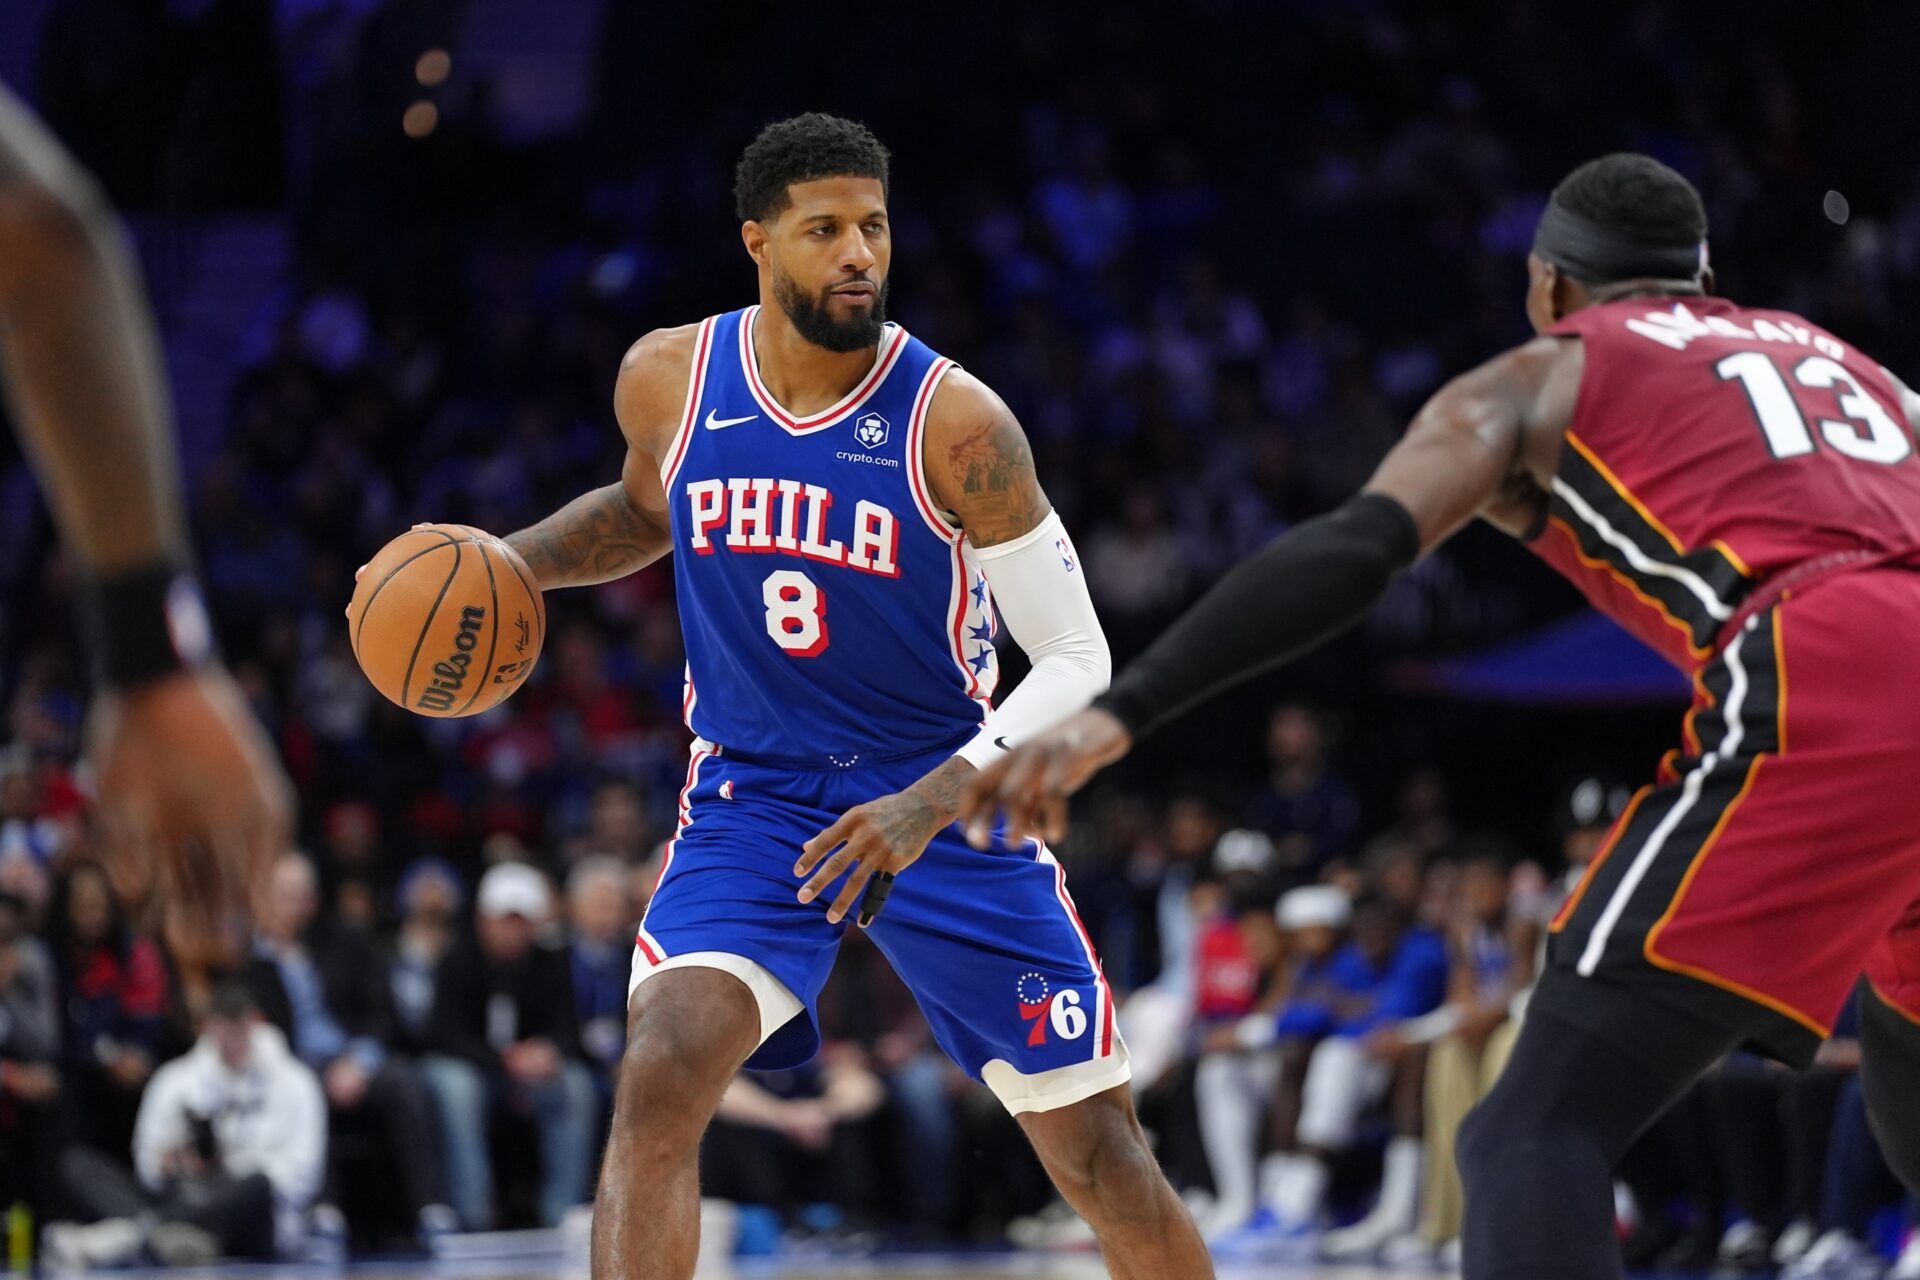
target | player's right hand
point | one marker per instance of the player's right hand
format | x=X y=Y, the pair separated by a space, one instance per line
x=1030 y=785
x=194 y=807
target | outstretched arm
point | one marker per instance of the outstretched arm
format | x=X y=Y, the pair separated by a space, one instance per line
x=621 y=528
x=1307 y=586
x=1318 y=579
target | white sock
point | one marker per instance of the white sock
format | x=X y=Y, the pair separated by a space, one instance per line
x=1400 y=1185
x=1300 y=1192
x=1273 y=1168
x=1229 y=1121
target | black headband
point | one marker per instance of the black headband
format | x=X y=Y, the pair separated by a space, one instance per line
x=1589 y=251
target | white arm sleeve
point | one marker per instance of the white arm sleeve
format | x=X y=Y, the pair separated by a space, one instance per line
x=1038 y=582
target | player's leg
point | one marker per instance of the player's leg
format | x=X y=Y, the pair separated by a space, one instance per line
x=1536 y=1156
x=688 y=1032
x=1689 y=934
x=723 y=950
x=992 y=948
x=1099 y=1159
x=1890 y=1046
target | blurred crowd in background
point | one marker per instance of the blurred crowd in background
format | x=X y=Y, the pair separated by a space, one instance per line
x=1213 y=276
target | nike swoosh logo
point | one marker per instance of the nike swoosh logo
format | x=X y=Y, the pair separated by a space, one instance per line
x=1001 y=742
x=714 y=424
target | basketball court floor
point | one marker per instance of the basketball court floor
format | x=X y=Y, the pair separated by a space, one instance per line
x=555 y=1266
x=906 y=1268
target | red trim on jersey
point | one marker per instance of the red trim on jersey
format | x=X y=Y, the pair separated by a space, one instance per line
x=959 y=622
x=702 y=752
x=696 y=384
x=750 y=361
x=916 y=456
x=646 y=949
x=1104 y=1013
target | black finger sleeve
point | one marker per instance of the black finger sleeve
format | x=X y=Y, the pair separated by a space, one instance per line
x=875 y=897
x=1303 y=588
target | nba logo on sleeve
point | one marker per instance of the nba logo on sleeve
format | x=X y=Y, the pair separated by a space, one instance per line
x=871 y=431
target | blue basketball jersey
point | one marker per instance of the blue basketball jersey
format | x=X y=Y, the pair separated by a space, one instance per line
x=831 y=612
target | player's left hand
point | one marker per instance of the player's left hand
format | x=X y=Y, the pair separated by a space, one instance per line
x=881 y=836
x=194 y=807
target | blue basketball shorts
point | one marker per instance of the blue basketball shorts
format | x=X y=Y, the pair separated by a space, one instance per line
x=987 y=940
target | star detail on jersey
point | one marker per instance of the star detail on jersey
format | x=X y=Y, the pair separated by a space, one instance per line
x=976 y=625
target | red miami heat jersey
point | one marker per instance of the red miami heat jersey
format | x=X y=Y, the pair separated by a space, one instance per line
x=1713 y=447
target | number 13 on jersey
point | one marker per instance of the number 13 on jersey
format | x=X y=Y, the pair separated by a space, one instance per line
x=796 y=613
x=1864 y=431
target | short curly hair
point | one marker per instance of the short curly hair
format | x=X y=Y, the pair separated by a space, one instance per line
x=802 y=149
x=1637 y=195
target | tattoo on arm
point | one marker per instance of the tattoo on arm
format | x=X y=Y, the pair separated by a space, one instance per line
x=597 y=537
x=941 y=788
x=993 y=473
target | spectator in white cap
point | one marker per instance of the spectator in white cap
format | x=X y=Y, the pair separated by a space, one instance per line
x=506 y=1034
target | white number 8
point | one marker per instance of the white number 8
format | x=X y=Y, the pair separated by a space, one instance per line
x=796 y=612
x=1069 y=1019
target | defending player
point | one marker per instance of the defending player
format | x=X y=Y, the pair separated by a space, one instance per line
x=1740 y=489
x=194 y=806
x=846 y=508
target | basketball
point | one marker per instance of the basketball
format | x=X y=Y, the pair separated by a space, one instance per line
x=446 y=620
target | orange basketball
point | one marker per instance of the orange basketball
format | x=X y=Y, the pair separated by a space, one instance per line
x=446 y=620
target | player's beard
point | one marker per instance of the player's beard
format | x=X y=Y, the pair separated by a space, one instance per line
x=816 y=324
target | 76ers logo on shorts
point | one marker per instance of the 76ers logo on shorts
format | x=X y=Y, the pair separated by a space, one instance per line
x=871 y=431
x=1043 y=1007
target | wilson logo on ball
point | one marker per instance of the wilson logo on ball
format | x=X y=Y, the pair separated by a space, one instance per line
x=451 y=672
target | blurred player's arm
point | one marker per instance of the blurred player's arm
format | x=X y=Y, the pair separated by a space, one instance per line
x=613 y=531
x=193 y=804
x=83 y=370
x=1487 y=436
x=980 y=468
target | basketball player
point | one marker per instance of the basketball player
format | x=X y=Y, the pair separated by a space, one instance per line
x=1740 y=489
x=193 y=804
x=845 y=509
